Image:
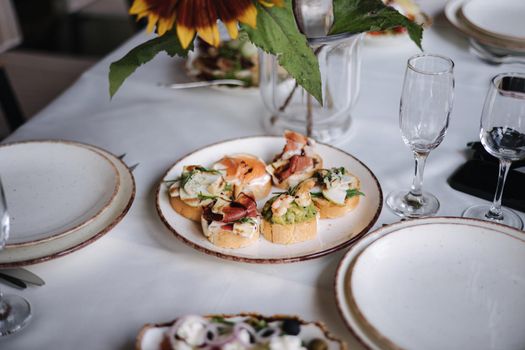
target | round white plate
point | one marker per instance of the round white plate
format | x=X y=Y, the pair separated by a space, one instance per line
x=502 y=18
x=82 y=236
x=54 y=187
x=454 y=14
x=437 y=283
x=333 y=234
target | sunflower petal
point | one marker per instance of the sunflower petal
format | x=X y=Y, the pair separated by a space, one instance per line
x=210 y=34
x=249 y=16
x=138 y=7
x=152 y=21
x=185 y=35
x=165 y=24
x=232 y=28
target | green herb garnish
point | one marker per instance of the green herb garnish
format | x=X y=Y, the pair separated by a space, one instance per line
x=353 y=192
x=219 y=319
x=204 y=197
x=246 y=220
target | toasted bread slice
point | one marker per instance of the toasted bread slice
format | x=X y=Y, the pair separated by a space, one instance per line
x=289 y=234
x=228 y=239
x=329 y=210
x=189 y=212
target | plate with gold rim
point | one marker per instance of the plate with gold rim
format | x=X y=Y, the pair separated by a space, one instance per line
x=333 y=234
x=435 y=283
x=22 y=255
x=54 y=187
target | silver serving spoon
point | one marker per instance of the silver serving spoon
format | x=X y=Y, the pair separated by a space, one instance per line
x=493 y=58
x=204 y=83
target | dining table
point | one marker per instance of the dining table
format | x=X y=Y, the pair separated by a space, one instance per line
x=100 y=296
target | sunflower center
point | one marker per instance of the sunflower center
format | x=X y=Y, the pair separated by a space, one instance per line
x=205 y=13
x=162 y=8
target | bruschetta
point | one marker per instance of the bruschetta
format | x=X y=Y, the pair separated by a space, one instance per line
x=247 y=173
x=231 y=224
x=297 y=162
x=195 y=188
x=336 y=192
x=291 y=217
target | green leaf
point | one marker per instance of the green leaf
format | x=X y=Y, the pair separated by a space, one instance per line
x=358 y=16
x=353 y=192
x=120 y=70
x=277 y=34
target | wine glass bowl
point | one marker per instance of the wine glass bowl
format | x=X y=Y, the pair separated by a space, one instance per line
x=426 y=103
x=502 y=134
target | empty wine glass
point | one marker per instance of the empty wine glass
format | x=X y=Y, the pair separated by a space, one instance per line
x=426 y=103
x=15 y=311
x=503 y=136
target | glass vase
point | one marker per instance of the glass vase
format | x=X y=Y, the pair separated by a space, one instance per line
x=291 y=107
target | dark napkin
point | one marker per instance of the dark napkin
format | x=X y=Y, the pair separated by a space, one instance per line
x=479 y=177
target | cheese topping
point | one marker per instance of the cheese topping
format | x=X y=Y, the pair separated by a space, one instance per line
x=335 y=184
x=247 y=227
x=198 y=186
x=192 y=331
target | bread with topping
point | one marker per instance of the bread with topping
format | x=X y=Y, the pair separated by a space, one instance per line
x=296 y=163
x=232 y=225
x=336 y=192
x=197 y=187
x=291 y=217
x=247 y=173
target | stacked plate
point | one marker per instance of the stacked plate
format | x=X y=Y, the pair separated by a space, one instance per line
x=61 y=196
x=498 y=26
x=436 y=283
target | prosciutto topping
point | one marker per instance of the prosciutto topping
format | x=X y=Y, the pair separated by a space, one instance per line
x=296 y=164
x=244 y=206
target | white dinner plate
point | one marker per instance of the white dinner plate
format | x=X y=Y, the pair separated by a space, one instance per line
x=436 y=283
x=333 y=234
x=54 y=187
x=454 y=14
x=82 y=236
x=502 y=18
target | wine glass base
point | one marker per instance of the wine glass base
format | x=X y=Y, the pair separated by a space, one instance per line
x=402 y=205
x=510 y=218
x=18 y=317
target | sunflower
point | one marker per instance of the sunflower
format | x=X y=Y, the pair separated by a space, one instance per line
x=198 y=16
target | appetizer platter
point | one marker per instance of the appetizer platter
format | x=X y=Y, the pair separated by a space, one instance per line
x=396 y=35
x=283 y=199
x=232 y=59
x=237 y=332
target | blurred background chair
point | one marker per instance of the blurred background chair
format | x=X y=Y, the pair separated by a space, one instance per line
x=46 y=46
x=10 y=36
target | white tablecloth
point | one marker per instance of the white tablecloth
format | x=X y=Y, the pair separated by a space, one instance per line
x=99 y=297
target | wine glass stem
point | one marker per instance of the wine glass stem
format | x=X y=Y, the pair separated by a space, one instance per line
x=4 y=308
x=494 y=212
x=416 y=190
